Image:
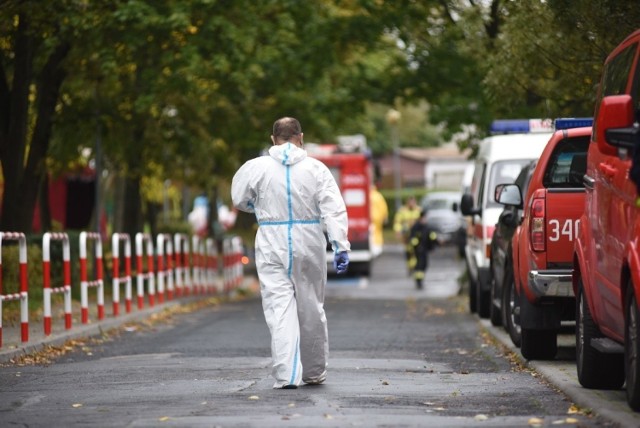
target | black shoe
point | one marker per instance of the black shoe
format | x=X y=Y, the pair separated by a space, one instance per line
x=290 y=387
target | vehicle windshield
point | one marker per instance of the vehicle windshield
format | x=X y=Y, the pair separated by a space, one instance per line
x=504 y=172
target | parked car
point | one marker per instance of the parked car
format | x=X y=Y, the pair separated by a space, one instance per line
x=543 y=249
x=606 y=275
x=502 y=292
x=445 y=218
x=500 y=158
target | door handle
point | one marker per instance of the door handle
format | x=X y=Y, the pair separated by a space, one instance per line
x=607 y=170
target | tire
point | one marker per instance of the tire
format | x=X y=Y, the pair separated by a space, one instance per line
x=539 y=344
x=595 y=369
x=483 y=297
x=510 y=307
x=632 y=349
x=473 y=294
x=495 y=312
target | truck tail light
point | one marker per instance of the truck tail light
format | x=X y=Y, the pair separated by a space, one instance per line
x=537 y=233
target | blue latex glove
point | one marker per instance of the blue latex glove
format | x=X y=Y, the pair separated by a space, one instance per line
x=341 y=262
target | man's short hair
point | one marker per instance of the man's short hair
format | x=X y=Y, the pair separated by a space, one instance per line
x=285 y=128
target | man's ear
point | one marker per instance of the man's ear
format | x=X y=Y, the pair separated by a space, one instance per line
x=273 y=140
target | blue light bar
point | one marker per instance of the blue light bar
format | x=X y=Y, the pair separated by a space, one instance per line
x=520 y=126
x=573 y=122
x=509 y=126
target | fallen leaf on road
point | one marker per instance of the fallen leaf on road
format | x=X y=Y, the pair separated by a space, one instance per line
x=292 y=405
x=254 y=397
x=328 y=416
x=536 y=422
x=481 y=417
x=75 y=406
x=573 y=410
x=384 y=382
x=163 y=419
x=571 y=421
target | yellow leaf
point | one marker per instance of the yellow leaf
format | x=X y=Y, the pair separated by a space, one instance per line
x=163 y=419
x=75 y=406
x=254 y=397
x=536 y=422
x=573 y=410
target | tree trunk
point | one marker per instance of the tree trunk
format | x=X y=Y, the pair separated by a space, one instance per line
x=14 y=137
x=132 y=221
x=22 y=182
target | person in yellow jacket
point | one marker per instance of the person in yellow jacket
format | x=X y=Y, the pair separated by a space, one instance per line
x=404 y=219
x=379 y=216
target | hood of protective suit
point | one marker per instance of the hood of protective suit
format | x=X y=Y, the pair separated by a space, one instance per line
x=287 y=154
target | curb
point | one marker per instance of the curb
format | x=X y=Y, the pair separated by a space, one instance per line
x=608 y=404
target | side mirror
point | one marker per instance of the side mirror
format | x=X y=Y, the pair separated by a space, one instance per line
x=508 y=194
x=466 y=205
x=614 y=124
x=454 y=207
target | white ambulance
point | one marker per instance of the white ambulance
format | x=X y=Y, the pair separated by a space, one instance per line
x=511 y=145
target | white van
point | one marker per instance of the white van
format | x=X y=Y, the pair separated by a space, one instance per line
x=500 y=158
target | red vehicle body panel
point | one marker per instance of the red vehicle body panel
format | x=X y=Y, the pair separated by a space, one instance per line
x=563 y=208
x=352 y=172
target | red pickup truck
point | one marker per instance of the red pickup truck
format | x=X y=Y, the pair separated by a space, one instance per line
x=606 y=276
x=542 y=247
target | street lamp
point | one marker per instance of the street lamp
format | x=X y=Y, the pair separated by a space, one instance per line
x=393 y=117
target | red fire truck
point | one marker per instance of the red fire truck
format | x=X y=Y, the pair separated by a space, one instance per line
x=350 y=164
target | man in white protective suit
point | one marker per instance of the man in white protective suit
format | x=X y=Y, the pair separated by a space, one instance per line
x=293 y=197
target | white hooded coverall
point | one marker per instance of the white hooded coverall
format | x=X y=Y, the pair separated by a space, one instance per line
x=292 y=196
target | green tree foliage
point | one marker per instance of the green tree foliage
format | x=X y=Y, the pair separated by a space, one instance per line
x=549 y=55
x=186 y=90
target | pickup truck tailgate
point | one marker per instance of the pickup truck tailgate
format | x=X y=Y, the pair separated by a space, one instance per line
x=563 y=210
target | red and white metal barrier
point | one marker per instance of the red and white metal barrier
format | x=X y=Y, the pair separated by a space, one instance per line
x=164 y=266
x=238 y=267
x=182 y=252
x=233 y=271
x=23 y=294
x=46 y=273
x=197 y=263
x=98 y=282
x=212 y=265
x=116 y=239
x=143 y=274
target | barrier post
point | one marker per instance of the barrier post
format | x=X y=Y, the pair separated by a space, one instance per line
x=183 y=278
x=46 y=272
x=164 y=266
x=226 y=265
x=98 y=282
x=238 y=267
x=23 y=294
x=197 y=260
x=211 y=265
x=141 y=274
x=126 y=279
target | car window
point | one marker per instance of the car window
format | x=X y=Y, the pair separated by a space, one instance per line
x=567 y=164
x=504 y=172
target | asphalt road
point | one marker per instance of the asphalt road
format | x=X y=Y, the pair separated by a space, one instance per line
x=400 y=357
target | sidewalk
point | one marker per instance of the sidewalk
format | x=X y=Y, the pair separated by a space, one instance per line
x=12 y=345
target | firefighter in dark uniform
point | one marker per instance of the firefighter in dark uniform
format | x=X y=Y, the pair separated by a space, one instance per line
x=422 y=239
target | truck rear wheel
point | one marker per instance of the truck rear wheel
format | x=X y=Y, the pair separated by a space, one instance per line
x=510 y=307
x=495 y=311
x=595 y=369
x=539 y=344
x=484 y=294
x=473 y=293
x=632 y=349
